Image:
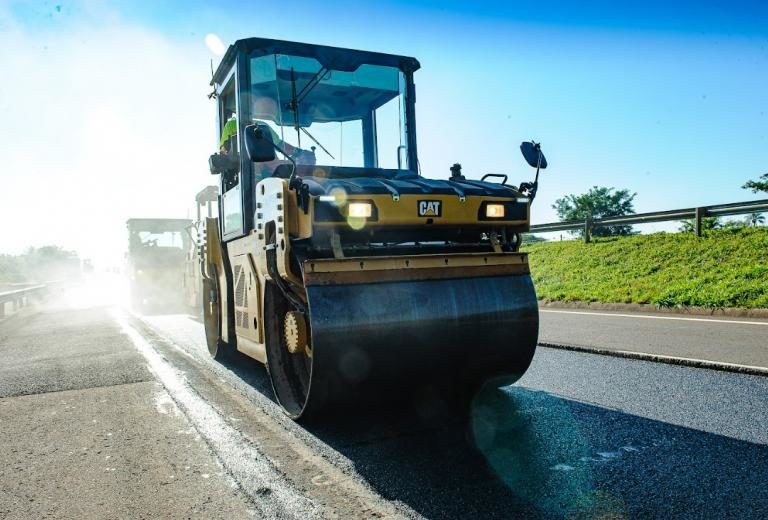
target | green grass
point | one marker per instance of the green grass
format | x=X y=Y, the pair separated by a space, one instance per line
x=725 y=268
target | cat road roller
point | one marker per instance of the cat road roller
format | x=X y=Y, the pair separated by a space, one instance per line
x=333 y=261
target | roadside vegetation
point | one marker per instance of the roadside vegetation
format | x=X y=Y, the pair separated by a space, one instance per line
x=598 y=202
x=758 y=185
x=726 y=267
x=39 y=264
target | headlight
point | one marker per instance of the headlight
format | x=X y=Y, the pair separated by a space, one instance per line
x=361 y=210
x=494 y=210
x=341 y=210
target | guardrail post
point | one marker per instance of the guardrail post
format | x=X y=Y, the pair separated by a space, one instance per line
x=2 y=309
x=587 y=229
x=699 y=215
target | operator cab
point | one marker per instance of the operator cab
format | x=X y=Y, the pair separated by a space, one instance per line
x=333 y=111
x=154 y=241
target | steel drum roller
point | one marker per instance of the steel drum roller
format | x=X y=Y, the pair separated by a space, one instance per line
x=370 y=341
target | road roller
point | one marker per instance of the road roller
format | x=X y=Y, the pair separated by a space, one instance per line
x=155 y=262
x=333 y=260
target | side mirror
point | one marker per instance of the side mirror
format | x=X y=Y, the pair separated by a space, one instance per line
x=223 y=164
x=533 y=155
x=258 y=144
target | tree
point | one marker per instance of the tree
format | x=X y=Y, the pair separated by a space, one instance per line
x=734 y=224
x=707 y=224
x=49 y=263
x=758 y=185
x=598 y=202
x=755 y=219
x=10 y=269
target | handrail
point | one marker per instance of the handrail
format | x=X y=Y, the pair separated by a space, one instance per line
x=18 y=297
x=697 y=214
x=10 y=295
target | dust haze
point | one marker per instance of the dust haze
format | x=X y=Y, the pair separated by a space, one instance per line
x=114 y=136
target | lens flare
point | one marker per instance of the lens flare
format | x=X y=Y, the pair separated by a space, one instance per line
x=214 y=44
x=356 y=223
x=339 y=196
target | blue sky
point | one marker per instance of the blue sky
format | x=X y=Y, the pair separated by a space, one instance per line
x=667 y=99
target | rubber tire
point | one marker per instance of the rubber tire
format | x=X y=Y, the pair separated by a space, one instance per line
x=290 y=374
x=217 y=348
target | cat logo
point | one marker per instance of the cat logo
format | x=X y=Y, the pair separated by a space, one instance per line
x=430 y=208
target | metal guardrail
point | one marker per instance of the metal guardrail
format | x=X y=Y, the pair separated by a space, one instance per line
x=18 y=298
x=695 y=214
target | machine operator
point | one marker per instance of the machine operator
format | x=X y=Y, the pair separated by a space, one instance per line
x=299 y=155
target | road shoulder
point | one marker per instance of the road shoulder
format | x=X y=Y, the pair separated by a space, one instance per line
x=87 y=432
x=121 y=451
x=718 y=343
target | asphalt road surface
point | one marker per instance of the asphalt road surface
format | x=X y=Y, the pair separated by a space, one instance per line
x=107 y=414
x=724 y=340
x=88 y=432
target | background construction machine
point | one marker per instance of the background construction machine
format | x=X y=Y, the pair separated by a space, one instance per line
x=156 y=252
x=351 y=276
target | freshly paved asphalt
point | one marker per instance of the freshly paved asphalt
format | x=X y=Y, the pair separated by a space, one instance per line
x=724 y=340
x=581 y=435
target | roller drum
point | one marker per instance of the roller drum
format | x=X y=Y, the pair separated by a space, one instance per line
x=376 y=341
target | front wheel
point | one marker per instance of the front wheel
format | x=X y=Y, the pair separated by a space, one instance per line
x=289 y=351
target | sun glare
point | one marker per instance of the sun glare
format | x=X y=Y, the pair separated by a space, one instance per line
x=214 y=44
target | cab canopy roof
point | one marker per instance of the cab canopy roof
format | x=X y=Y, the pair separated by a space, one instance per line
x=207 y=194
x=158 y=225
x=331 y=57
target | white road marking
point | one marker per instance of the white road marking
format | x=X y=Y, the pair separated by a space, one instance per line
x=340 y=472
x=674 y=360
x=249 y=467
x=615 y=315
